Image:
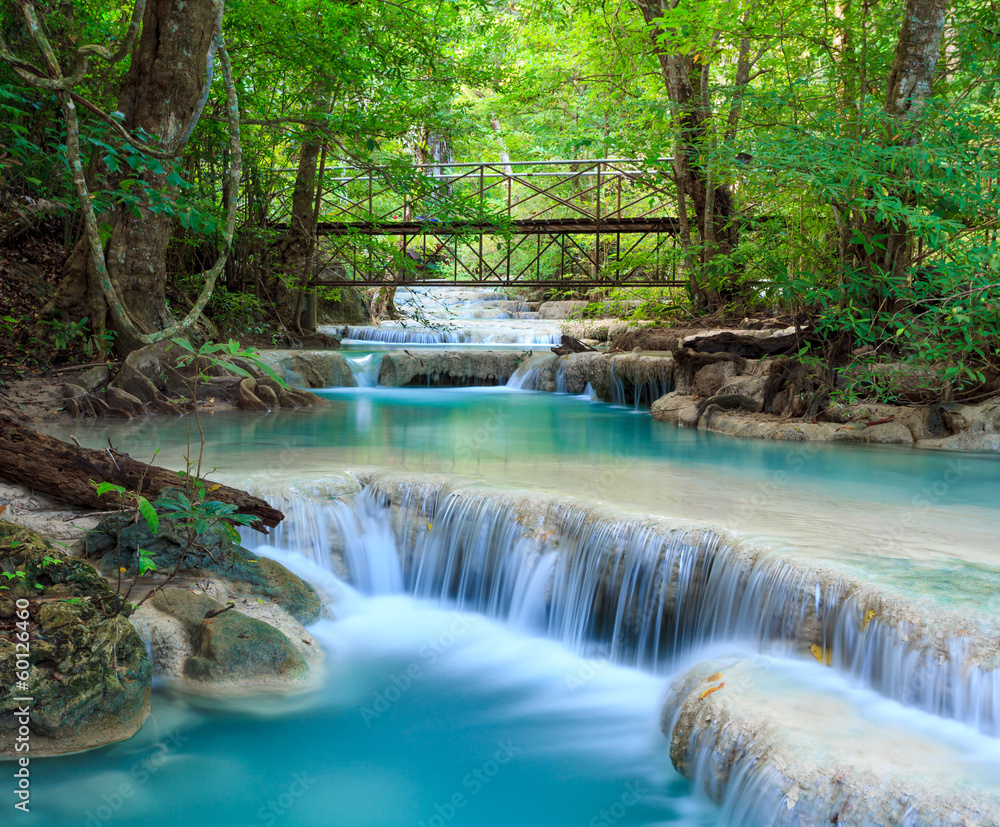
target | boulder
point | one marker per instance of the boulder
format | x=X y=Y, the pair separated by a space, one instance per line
x=310 y=368
x=89 y=676
x=558 y=310
x=226 y=646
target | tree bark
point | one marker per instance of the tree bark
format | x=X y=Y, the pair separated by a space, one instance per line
x=160 y=95
x=293 y=255
x=909 y=87
x=917 y=51
x=685 y=80
x=65 y=471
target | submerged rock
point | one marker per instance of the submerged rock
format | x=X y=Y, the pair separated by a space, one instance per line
x=88 y=675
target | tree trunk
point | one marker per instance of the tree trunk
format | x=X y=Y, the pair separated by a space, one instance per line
x=909 y=86
x=917 y=52
x=293 y=255
x=160 y=94
x=685 y=79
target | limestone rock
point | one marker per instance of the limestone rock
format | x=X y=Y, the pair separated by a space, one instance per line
x=560 y=309
x=310 y=368
x=789 y=751
x=449 y=368
x=89 y=676
x=229 y=648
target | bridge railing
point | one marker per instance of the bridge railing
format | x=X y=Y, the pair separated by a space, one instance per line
x=577 y=222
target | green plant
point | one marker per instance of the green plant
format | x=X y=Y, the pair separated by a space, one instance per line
x=199 y=515
x=65 y=334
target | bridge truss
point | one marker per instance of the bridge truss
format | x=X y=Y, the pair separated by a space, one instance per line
x=573 y=224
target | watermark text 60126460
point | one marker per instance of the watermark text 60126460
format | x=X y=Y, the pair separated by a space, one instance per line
x=22 y=712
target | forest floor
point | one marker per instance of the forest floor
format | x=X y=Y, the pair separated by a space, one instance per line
x=32 y=366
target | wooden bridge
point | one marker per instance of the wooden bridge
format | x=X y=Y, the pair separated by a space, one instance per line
x=578 y=224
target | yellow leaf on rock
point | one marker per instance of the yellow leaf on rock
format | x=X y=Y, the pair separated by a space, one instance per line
x=708 y=692
x=868 y=619
x=716 y=676
x=216 y=487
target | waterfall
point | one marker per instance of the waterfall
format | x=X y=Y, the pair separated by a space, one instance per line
x=365 y=368
x=638 y=590
x=526 y=376
x=639 y=382
x=405 y=336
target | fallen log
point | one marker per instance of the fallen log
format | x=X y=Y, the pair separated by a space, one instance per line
x=64 y=471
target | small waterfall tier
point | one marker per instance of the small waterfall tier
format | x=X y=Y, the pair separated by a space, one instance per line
x=643 y=591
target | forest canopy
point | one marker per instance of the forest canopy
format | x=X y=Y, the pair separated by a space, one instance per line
x=834 y=162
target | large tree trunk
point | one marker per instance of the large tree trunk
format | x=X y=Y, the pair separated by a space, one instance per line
x=685 y=79
x=161 y=92
x=909 y=87
x=294 y=251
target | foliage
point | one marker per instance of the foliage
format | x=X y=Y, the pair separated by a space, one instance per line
x=877 y=231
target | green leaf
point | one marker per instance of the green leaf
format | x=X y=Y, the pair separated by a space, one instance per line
x=107 y=487
x=149 y=514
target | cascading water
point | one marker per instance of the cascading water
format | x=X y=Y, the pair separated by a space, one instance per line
x=642 y=593
x=365 y=367
x=426 y=563
x=457 y=316
x=640 y=391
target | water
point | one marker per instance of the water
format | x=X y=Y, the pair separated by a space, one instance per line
x=912 y=513
x=427 y=716
x=450 y=316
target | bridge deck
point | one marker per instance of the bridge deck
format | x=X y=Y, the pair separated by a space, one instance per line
x=536 y=226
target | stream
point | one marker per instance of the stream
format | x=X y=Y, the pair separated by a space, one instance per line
x=470 y=676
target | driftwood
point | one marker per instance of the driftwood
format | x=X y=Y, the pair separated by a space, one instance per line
x=64 y=471
x=749 y=347
x=571 y=345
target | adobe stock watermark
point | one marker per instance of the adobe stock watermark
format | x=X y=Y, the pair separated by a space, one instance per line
x=588 y=669
x=473 y=783
x=281 y=805
x=400 y=683
x=465 y=448
x=634 y=791
x=929 y=496
x=140 y=773
x=795 y=461
x=22 y=712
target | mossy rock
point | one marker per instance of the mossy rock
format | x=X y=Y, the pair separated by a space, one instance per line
x=89 y=676
x=115 y=543
x=230 y=648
